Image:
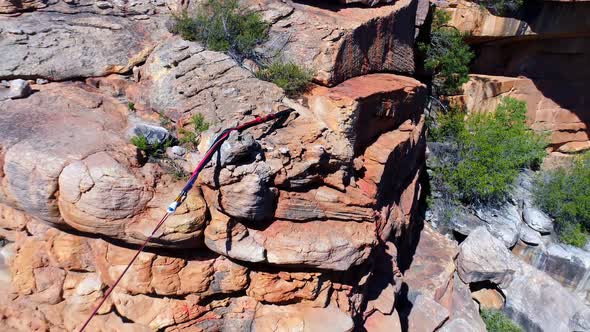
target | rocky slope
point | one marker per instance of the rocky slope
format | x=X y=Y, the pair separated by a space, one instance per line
x=294 y=226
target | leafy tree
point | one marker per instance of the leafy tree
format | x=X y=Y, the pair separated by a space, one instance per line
x=489 y=150
x=447 y=55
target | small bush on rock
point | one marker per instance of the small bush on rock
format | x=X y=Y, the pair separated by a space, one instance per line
x=188 y=138
x=565 y=195
x=155 y=150
x=191 y=138
x=222 y=25
x=496 y=321
x=140 y=142
x=447 y=56
x=289 y=76
x=199 y=122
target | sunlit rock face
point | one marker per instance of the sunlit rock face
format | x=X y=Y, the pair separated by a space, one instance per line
x=293 y=225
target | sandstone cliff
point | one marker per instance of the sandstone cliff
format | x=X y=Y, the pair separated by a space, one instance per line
x=295 y=224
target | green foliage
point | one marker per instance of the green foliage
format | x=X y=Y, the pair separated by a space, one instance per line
x=496 y=321
x=177 y=171
x=140 y=142
x=164 y=120
x=572 y=234
x=289 y=76
x=440 y=19
x=447 y=125
x=198 y=120
x=188 y=137
x=491 y=148
x=565 y=195
x=447 y=56
x=131 y=106
x=151 y=150
x=222 y=25
x=191 y=138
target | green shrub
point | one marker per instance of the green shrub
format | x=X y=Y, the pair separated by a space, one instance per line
x=289 y=76
x=198 y=120
x=131 y=106
x=447 y=125
x=496 y=321
x=490 y=150
x=164 y=120
x=565 y=195
x=188 y=137
x=447 y=56
x=572 y=234
x=222 y=25
x=440 y=19
x=191 y=138
x=140 y=142
x=151 y=150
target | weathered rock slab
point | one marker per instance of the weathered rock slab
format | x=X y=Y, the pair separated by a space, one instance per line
x=504 y=222
x=71 y=165
x=60 y=46
x=297 y=318
x=533 y=299
x=474 y=265
x=426 y=315
x=341 y=43
x=432 y=265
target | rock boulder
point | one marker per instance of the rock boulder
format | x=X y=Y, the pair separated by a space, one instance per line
x=533 y=299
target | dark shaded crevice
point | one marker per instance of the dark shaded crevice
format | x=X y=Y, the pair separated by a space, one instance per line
x=485 y=284
x=404 y=306
x=123 y=318
x=459 y=237
x=333 y=5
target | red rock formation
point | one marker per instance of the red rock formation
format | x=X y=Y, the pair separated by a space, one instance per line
x=288 y=228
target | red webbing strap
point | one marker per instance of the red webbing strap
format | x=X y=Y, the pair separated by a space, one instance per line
x=199 y=167
x=110 y=290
